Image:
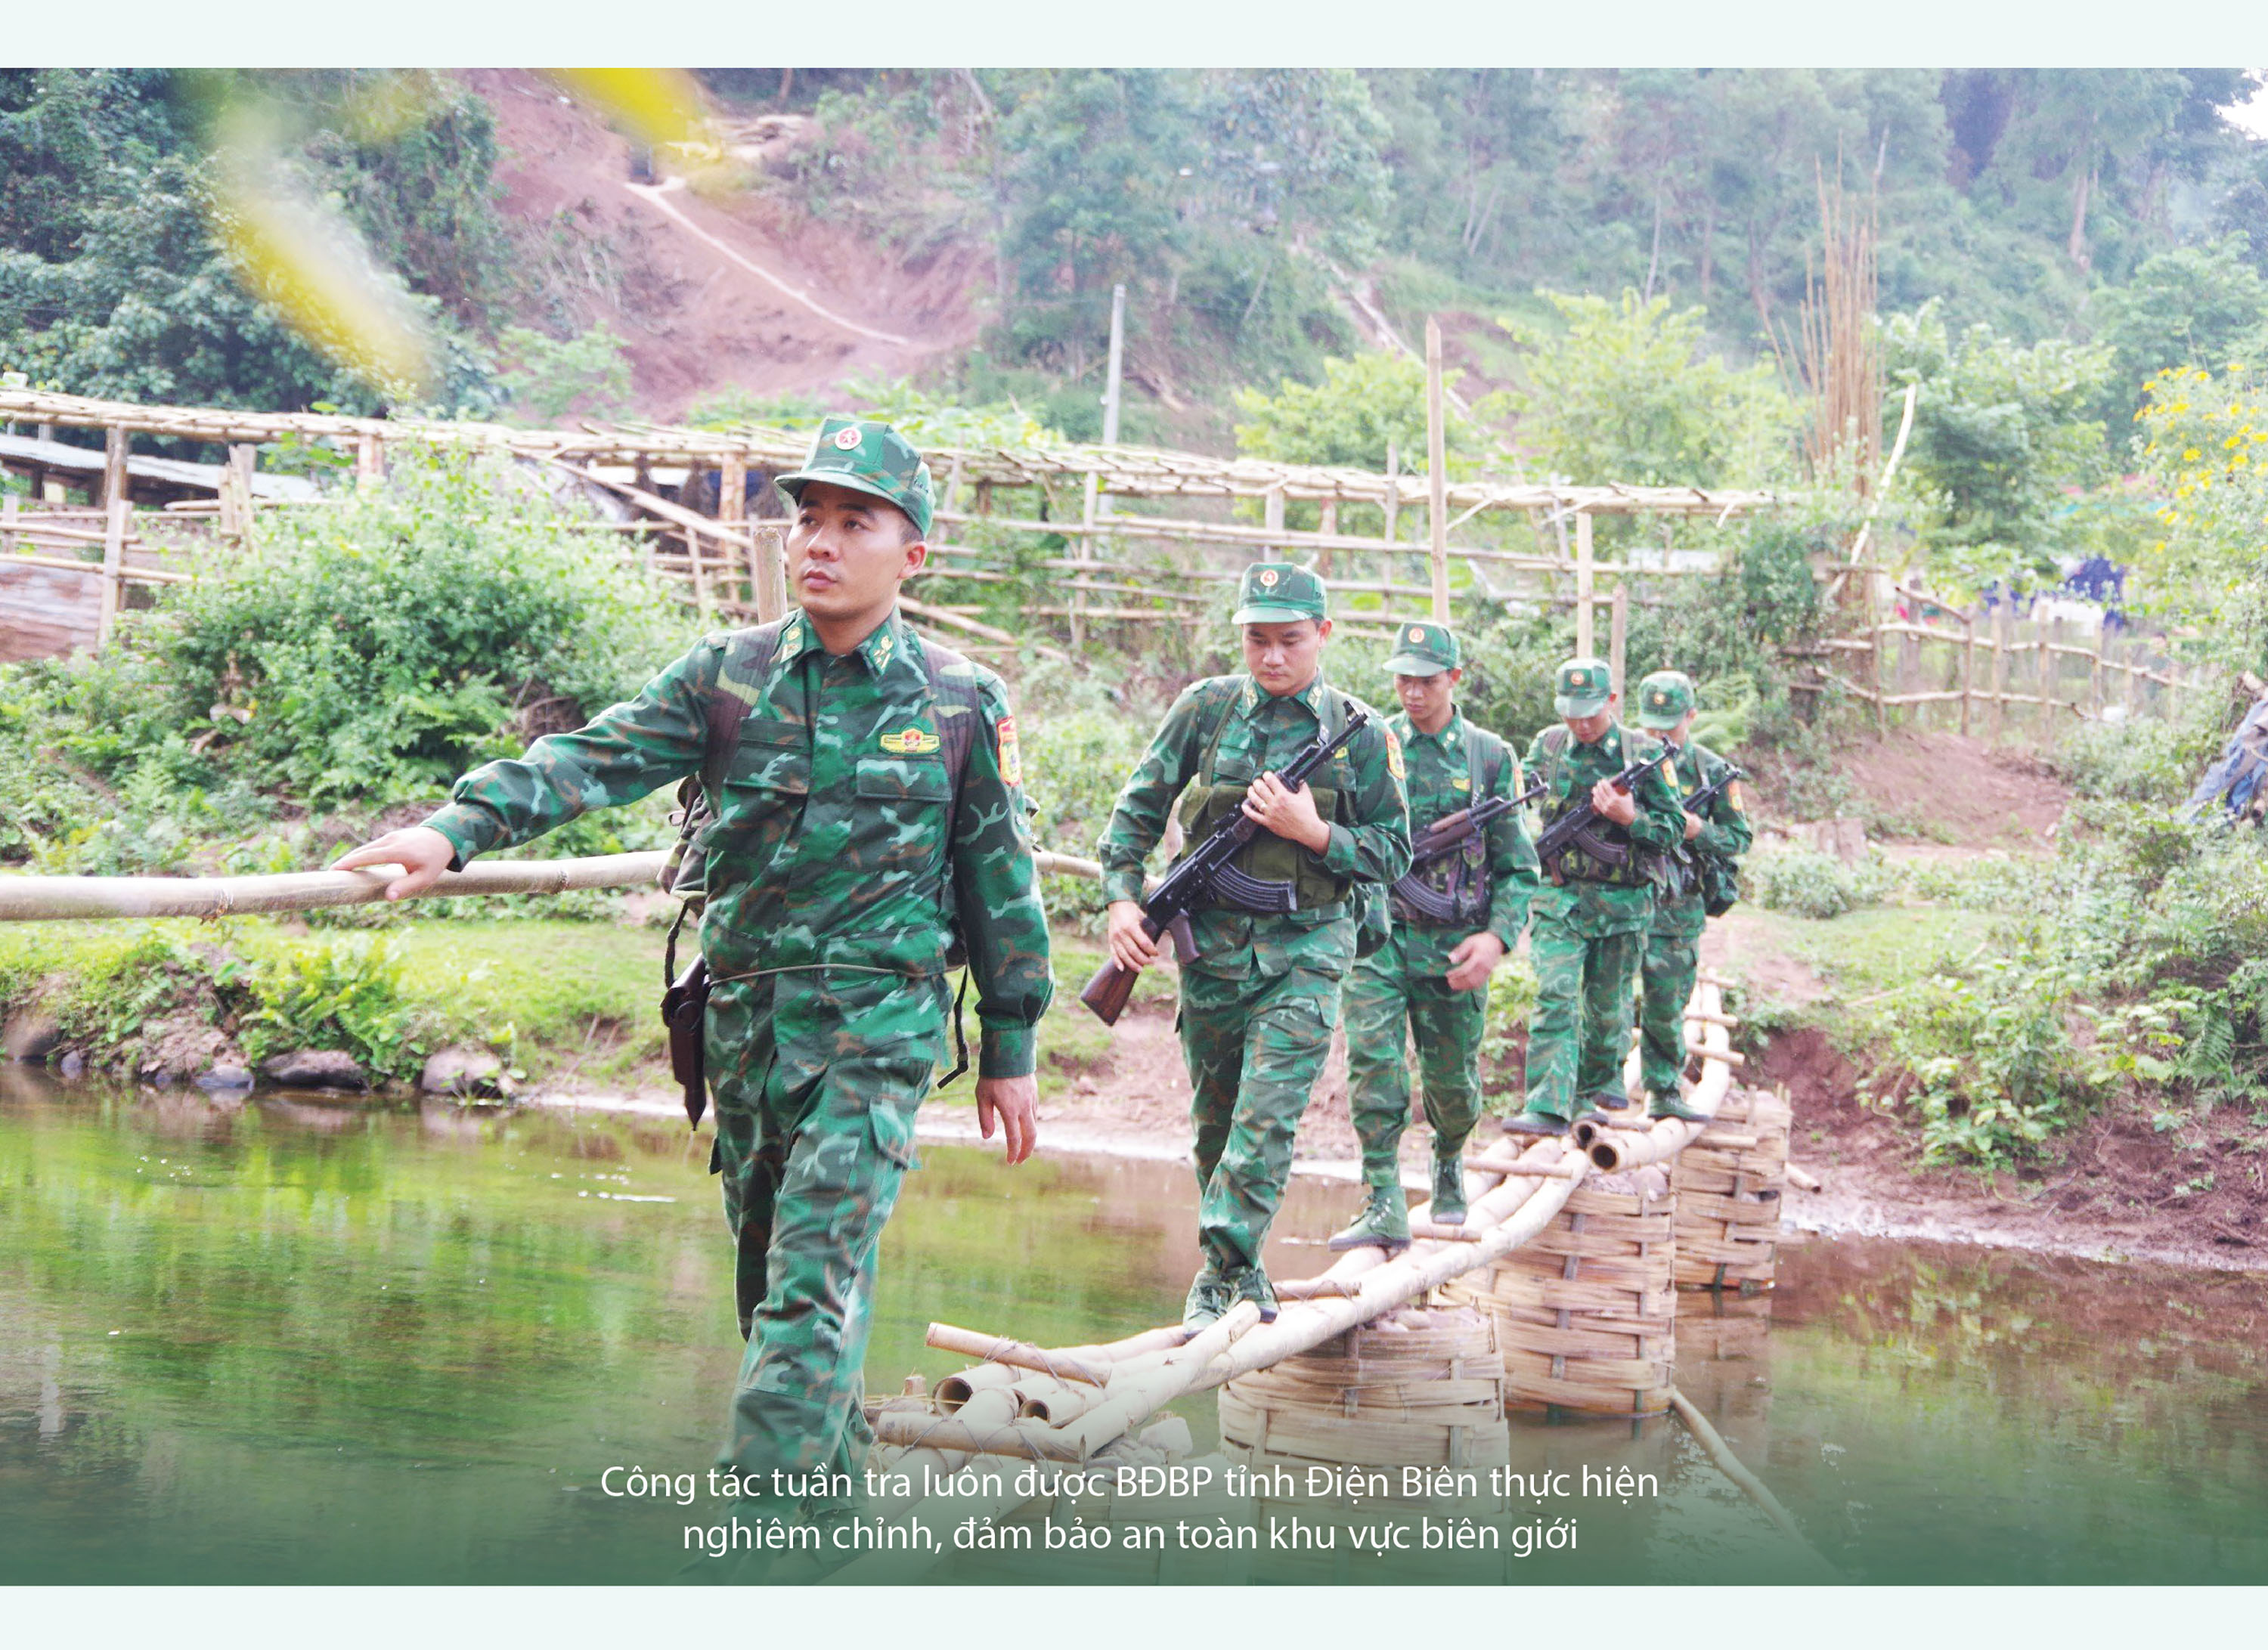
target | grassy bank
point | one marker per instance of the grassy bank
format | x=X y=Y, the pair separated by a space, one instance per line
x=565 y=1002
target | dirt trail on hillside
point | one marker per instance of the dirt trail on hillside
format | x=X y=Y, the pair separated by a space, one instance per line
x=712 y=294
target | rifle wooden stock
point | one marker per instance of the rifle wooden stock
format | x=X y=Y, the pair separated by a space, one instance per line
x=1109 y=990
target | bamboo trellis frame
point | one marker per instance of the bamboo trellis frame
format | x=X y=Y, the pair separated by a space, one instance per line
x=728 y=567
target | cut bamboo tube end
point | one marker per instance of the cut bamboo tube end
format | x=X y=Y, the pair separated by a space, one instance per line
x=1803 y=1179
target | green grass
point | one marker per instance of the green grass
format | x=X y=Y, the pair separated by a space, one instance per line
x=568 y=996
x=1878 y=946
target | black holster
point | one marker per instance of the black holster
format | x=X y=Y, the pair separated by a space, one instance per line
x=685 y=1013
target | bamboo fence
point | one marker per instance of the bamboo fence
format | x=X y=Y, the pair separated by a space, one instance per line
x=1994 y=675
x=1103 y=534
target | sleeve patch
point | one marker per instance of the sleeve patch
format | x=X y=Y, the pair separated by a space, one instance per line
x=1012 y=756
x=1393 y=753
x=1733 y=795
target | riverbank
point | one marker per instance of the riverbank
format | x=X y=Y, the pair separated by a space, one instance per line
x=567 y=1008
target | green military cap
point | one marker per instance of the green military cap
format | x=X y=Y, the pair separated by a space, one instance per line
x=1583 y=687
x=1423 y=650
x=1663 y=700
x=866 y=456
x=1277 y=592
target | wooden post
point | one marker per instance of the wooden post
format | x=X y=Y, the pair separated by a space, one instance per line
x=2003 y=639
x=370 y=460
x=1968 y=669
x=9 y=505
x=1437 y=472
x=1584 y=575
x=1090 y=495
x=770 y=549
x=236 y=492
x=2095 y=674
x=2134 y=681
x=113 y=559
x=1881 y=710
x=2048 y=632
x=1618 y=639
x=700 y=566
x=115 y=485
x=1393 y=500
x=732 y=507
x=1114 y=378
x=1327 y=525
x=1272 y=506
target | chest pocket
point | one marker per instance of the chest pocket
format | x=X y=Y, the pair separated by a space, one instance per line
x=898 y=779
x=770 y=771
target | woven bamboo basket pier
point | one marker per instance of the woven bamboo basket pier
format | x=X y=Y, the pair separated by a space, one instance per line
x=1422 y=1386
x=1587 y=1313
x=1728 y=1185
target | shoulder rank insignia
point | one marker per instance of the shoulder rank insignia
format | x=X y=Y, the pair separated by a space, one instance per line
x=912 y=742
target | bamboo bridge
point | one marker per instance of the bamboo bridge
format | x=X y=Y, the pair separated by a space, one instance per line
x=1020 y=1406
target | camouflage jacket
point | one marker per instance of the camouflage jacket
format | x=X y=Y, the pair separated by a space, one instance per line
x=828 y=844
x=1260 y=733
x=1726 y=830
x=1596 y=910
x=1441 y=782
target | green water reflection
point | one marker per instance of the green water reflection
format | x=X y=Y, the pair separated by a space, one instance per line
x=289 y=1340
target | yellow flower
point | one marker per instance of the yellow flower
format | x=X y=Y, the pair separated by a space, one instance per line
x=2192 y=456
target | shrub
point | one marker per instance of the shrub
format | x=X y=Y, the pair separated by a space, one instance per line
x=375 y=649
x=1802 y=883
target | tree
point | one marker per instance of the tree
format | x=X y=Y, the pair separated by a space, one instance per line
x=1999 y=431
x=1623 y=393
x=2189 y=306
x=1364 y=405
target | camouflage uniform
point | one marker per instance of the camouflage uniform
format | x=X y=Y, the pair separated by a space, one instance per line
x=1586 y=936
x=1259 y=1002
x=825 y=934
x=1673 y=946
x=1403 y=987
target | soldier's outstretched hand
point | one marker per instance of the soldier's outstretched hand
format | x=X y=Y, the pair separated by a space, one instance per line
x=422 y=852
x=1013 y=1100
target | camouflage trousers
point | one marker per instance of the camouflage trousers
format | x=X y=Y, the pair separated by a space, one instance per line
x=1385 y=1004
x=816 y=1082
x=1255 y=1048
x=1672 y=962
x=1579 y=1033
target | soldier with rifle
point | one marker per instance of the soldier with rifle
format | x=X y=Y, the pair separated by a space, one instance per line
x=1456 y=913
x=1700 y=884
x=1260 y=991
x=1610 y=815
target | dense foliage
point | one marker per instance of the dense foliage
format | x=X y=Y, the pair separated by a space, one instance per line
x=354 y=656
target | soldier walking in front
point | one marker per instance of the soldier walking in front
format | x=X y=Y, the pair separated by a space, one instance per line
x=1588 y=924
x=1714 y=837
x=868 y=807
x=1431 y=977
x=1259 y=997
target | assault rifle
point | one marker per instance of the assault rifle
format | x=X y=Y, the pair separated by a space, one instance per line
x=1444 y=837
x=1574 y=829
x=1684 y=865
x=1203 y=876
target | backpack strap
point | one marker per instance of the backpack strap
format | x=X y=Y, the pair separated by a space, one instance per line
x=750 y=653
x=957 y=702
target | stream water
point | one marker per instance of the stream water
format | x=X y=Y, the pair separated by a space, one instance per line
x=300 y=1340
